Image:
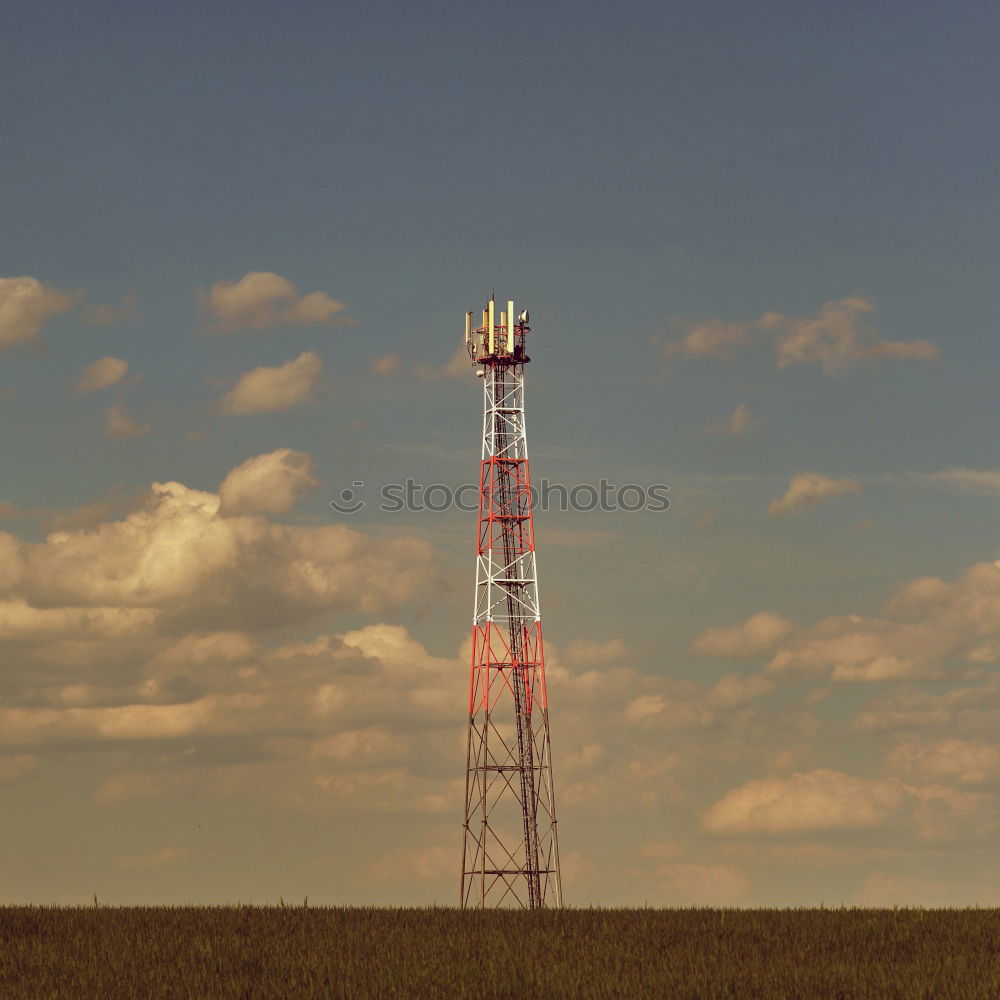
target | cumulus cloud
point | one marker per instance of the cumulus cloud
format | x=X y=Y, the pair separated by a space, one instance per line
x=269 y=484
x=934 y=626
x=177 y=552
x=966 y=710
x=21 y=621
x=758 y=634
x=737 y=689
x=270 y=390
x=211 y=715
x=329 y=707
x=735 y=425
x=674 y=713
x=830 y=800
x=813 y=800
x=120 y=424
x=400 y=655
x=808 y=489
x=26 y=305
x=200 y=651
x=855 y=648
x=262 y=299
x=963 y=761
x=102 y=374
x=837 y=338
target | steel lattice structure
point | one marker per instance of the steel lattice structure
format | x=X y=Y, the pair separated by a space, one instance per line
x=510 y=854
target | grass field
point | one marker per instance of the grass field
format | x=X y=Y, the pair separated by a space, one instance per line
x=694 y=954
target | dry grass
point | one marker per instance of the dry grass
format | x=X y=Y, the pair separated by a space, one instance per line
x=692 y=954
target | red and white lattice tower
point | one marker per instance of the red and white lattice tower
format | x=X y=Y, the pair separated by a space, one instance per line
x=510 y=854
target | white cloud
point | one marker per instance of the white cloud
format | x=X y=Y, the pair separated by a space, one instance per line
x=101 y=374
x=855 y=648
x=584 y=757
x=735 y=425
x=831 y=800
x=813 y=800
x=26 y=305
x=262 y=299
x=213 y=714
x=711 y=339
x=837 y=338
x=370 y=743
x=178 y=553
x=737 y=689
x=20 y=621
x=120 y=424
x=669 y=712
x=940 y=813
x=398 y=652
x=645 y=706
x=971 y=710
x=270 y=390
x=969 y=480
x=758 y=634
x=739 y=419
x=919 y=597
x=271 y=483
x=807 y=489
x=202 y=650
x=963 y=761
x=944 y=624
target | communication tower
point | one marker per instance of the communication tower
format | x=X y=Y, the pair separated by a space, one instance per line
x=510 y=854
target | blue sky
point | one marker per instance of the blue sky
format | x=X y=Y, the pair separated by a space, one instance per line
x=639 y=175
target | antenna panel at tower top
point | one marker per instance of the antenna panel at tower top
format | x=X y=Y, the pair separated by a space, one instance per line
x=498 y=339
